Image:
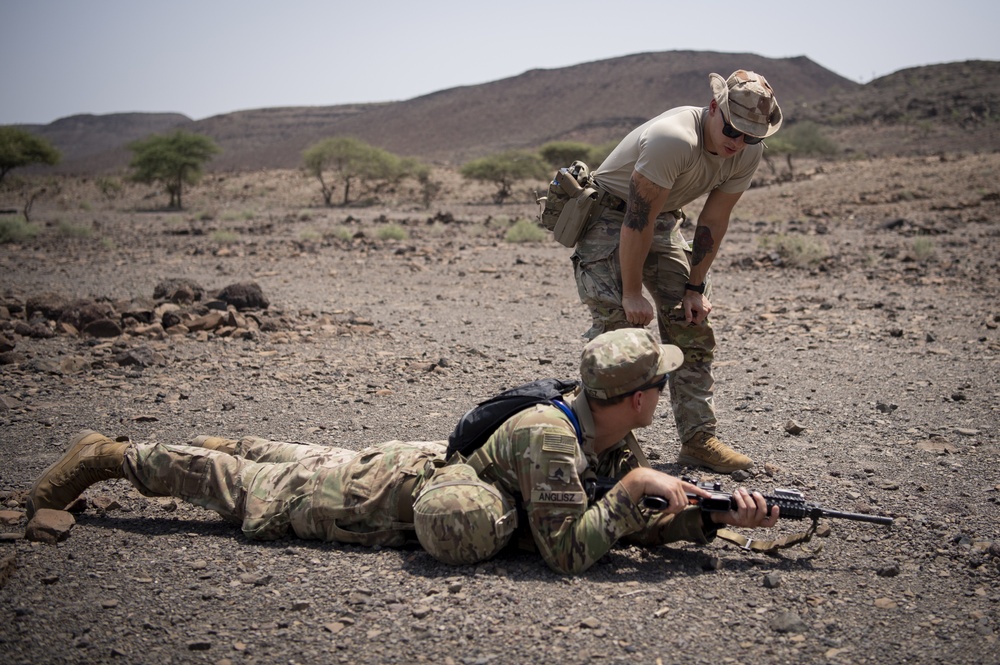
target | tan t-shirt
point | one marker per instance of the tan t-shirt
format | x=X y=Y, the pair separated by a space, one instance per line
x=669 y=150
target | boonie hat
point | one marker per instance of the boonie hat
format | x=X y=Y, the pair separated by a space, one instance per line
x=621 y=361
x=748 y=102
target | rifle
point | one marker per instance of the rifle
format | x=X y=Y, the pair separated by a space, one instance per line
x=791 y=502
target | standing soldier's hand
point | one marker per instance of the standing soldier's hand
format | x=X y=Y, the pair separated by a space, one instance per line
x=638 y=310
x=696 y=307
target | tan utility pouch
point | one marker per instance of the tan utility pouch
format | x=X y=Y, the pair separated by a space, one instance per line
x=570 y=204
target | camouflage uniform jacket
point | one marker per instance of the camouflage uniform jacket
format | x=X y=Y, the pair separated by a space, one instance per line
x=535 y=457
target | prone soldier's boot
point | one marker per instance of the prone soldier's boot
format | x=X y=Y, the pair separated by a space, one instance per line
x=705 y=449
x=90 y=458
x=219 y=443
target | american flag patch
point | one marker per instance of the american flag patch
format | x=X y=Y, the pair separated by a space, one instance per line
x=559 y=443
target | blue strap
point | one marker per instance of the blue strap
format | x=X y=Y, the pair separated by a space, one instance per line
x=572 y=418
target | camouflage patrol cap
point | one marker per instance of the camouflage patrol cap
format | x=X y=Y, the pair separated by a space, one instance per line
x=618 y=362
x=748 y=102
x=461 y=519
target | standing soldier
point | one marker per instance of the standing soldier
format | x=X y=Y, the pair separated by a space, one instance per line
x=657 y=169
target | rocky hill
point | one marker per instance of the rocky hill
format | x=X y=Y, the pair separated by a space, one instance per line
x=921 y=110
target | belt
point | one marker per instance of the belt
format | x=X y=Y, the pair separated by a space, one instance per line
x=404 y=505
x=610 y=201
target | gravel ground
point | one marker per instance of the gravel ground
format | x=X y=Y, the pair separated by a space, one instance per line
x=883 y=349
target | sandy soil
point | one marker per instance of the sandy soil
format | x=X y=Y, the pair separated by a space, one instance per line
x=859 y=301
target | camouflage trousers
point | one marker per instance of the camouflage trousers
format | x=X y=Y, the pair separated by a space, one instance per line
x=597 y=268
x=317 y=492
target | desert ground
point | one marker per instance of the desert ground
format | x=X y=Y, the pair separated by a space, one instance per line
x=855 y=304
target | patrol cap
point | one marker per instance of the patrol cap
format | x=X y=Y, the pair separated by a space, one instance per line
x=621 y=361
x=747 y=102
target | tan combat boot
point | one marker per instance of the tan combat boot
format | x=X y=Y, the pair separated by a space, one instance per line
x=704 y=449
x=227 y=446
x=90 y=458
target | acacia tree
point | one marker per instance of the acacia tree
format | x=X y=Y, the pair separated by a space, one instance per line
x=19 y=147
x=173 y=160
x=355 y=163
x=506 y=168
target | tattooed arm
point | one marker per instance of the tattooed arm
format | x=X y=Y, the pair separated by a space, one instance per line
x=645 y=201
x=713 y=222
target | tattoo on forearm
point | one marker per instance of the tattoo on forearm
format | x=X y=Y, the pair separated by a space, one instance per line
x=637 y=212
x=703 y=245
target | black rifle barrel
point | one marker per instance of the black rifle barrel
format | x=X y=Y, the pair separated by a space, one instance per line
x=857 y=517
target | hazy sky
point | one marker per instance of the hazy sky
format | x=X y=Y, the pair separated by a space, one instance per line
x=205 y=57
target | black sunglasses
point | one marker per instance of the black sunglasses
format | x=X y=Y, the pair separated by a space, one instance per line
x=659 y=385
x=734 y=133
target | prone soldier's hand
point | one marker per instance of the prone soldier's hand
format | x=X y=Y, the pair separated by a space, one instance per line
x=644 y=481
x=751 y=511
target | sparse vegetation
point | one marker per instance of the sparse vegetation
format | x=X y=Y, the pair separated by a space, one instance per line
x=171 y=160
x=19 y=148
x=391 y=232
x=16 y=228
x=357 y=163
x=796 y=249
x=525 y=230
x=110 y=188
x=225 y=237
x=923 y=248
x=71 y=230
x=506 y=168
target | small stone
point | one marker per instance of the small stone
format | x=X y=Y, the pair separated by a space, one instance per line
x=49 y=526
x=772 y=581
x=890 y=570
x=788 y=622
x=885 y=603
x=420 y=611
x=109 y=603
x=255 y=579
x=713 y=562
x=590 y=623
x=199 y=645
x=771 y=469
x=300 y=605
x=11 y=517
x=794 y=428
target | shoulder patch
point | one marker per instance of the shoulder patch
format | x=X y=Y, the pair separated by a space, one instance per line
x=558 y=443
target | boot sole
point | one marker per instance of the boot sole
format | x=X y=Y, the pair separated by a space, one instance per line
x=694 y=461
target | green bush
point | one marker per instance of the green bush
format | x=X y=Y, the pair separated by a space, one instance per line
x=796 y=250
x=923 y=248
x=16 y=229
x=524 y=230
x=391 y=232
x=803 y=138
x=74 y=230
x=225 y=237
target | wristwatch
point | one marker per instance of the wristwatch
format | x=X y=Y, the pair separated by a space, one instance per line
x=700 y=288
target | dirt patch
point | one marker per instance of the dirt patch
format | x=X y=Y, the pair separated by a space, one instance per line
x=859 y=301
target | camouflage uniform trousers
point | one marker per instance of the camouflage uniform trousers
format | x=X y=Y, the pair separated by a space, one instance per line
x=597 y=268
x=317 y=492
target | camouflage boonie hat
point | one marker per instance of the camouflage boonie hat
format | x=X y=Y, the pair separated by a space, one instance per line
x=747 y=102
x=461 y=519
x=618 y=362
